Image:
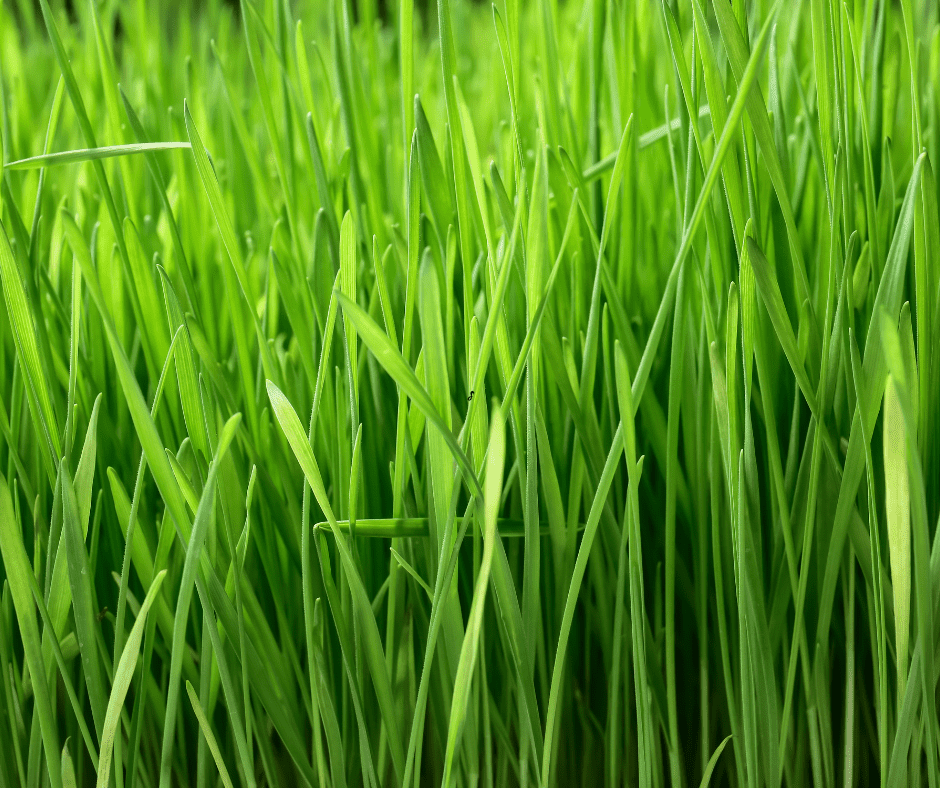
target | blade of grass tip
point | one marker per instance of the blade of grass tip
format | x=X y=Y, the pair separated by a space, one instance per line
x=68 y=768
x=496 y=455
x=372 y=645
x=183 y=480
x=92 y=154
x=193 y=554
x=206 y=728
x=17 y=566
x=713 y=762
x=122 y=681
x=413 y=572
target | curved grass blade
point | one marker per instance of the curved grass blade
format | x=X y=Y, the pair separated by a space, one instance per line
x=92 y=154
x=122 y=681
x=413 y=572
x=713 y=762
x=206 y=729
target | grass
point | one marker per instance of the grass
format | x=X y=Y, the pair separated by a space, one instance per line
x=533 y=394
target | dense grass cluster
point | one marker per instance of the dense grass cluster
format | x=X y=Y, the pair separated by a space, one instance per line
x=536 y=394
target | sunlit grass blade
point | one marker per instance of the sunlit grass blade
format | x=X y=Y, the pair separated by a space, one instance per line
x=91 y=154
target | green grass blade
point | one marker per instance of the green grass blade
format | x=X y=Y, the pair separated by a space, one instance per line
x=201 y=524
x=92 y=154
x=496 y=455
x=206 y=729
x=123 y=674
x=17 y=567
x=290 y=424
